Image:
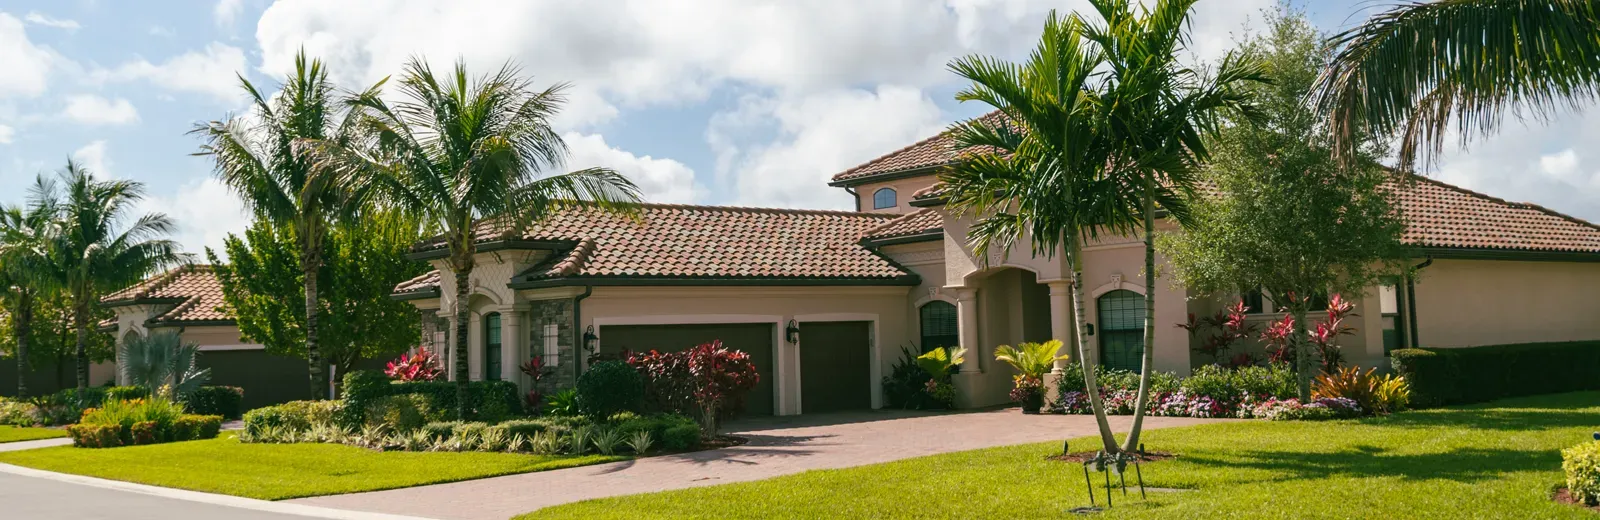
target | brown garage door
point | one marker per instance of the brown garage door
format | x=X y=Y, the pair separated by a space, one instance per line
x=752 y=338
x=835 y=366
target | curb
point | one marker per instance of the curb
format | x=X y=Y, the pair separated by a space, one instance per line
x=206 y=498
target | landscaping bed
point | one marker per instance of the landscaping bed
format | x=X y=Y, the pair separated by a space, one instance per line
x=281 y=471
x=16 y=434
x=1499 y=460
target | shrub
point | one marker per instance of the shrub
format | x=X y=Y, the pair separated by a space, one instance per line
x=487 y=400
x=292 y=417
x=563 y=403
x=196 y=427
x=1347 y=382
x=681 y=437
x=1110 y=380
x=440 y=430
x=906 y=385
x=216 y=400
x=125 y=413
x=1230 y=386
x=609 y=387
x=707 y=381
x=143 y=432
x=125 y=393
x=1479 y=374
x=95 y=435
x=400 y=413
x=1391 y=394
x=1582 y=465
x=16 y=413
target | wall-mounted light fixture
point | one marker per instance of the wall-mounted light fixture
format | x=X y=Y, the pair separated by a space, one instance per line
x=589 y=339
x=792 y=332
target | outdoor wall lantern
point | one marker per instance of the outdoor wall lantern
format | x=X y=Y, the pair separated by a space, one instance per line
x=589 y=339
x=792 y=332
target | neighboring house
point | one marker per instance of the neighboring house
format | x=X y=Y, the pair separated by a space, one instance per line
x=825 y=301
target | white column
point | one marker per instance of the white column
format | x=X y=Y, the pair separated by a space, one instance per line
x=967 y=322
x=512 y=343
x=1061 y=319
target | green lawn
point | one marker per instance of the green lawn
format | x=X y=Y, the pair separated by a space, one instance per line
x=280 y=471
x=1493 y=461
x=14 y=434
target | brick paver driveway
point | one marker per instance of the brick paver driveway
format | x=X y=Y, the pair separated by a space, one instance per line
x=778 y=446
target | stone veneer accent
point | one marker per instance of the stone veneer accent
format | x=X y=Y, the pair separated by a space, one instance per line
x=542 y=313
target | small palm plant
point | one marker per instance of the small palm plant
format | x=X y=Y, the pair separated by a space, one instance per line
x=1032 y=361
x=939 y=363
x=162 y=363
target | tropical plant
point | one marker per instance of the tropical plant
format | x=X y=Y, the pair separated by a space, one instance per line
x=940 y=362
x=462 y=151
x=1422 y=70
x=93 y=252
x=422 y=366
x=707 y=381
x=606 y=441
x=163 y=363
x=1096 y=129
x=255 y=156
x=1581 y=463
x=641 y=442
x=535 y=369
x=25 y=271
x=1031 y=359
x=1391 y=393
x=563 y=403
x=1230 y=328
x=609 y=387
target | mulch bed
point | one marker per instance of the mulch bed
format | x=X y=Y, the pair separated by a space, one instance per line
x=1082 y=456
x=1565 y=497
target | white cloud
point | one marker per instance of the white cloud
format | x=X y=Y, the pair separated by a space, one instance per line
x=38 y=18
x=660 y=180
x=93 y=157
x=96 y=110
x=6 y=134
x=818 y=135
x=212 y=71
x=1540 y=162
x=226 y=11
x=205 y=211
x=27 y=67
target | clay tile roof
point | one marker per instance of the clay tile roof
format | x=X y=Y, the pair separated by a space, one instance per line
x=193 y=291
x=1441 y=215
x=933 y=151
x=427 y=282
x=919 y=222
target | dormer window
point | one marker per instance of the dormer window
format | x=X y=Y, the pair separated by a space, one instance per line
x=883 y=198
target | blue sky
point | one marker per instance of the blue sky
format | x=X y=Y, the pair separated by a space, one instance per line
x=740 y=102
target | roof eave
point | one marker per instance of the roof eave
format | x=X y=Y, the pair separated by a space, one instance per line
x=494 y=245
x=417 y=295
x=714 y=281
x=190 y=323
x=142 y=301
x=927 y=236
x=1524 y=255
x=888 y=176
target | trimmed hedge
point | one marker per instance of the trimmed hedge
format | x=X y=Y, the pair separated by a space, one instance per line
x=187 y=427
x=1444 y=376
x=225 y=401
x=610 y=387
x=489 y=401
x=297 y=416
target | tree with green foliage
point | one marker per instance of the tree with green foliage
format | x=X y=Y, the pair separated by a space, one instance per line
x=255 y=157
x=97 y=250
x=1287 y=216
x=1423 y=69
x=26 y=274
x=462 y=151
x=361 y=264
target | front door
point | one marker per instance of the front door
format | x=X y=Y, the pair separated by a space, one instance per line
x=1121 y=329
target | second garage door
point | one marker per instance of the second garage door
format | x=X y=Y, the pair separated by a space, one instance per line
x=835 y=366
x=752 y=338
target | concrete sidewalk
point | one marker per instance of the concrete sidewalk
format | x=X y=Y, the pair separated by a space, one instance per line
x=778 y=446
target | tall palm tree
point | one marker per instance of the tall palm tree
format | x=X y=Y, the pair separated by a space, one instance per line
x=94 y=252
x=463 y=150
x=1045 y=169
x=1159 y=113
x=255 y=157
x=1421 y=68
x=25 y=270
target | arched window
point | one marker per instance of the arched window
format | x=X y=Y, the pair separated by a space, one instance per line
x=939 y=325
x=491 y=346
x=1121 y=329
x=883 y=198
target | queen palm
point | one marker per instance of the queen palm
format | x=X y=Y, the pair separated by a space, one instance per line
x=25 y=270
x=97 y=249
x=464 y=150
x=1420 y=69
x=255 y=157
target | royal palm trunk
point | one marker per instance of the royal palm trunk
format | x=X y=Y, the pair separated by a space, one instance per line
x=80 y=322
x=319 y=382
x=463 y=271
x=23 y=330
x=1302 y=353
x=1108 y=441
x=1147 y=365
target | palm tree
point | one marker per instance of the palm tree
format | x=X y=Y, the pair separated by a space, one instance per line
x=1044 y=169
x=255 y=157
x=25 y=271
x=93 y=251
x=163 y=363
x=463 y=151
x=1419 y=69
x=1159 y=113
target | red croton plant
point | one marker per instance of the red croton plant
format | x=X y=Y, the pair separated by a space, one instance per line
x=422 y=366
x=534 y=368
x=1231 y=328
x=1324 y=336
x=706 y=381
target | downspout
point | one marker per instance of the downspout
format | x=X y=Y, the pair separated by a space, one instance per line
x=1411 y=301
x=577 y=332
x=854 y=197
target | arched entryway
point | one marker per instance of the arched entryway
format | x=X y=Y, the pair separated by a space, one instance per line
x=1121 y=314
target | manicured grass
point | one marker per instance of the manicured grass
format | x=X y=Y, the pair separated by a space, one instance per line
x=281 y=471
x=1499 y=460
x=14 y=434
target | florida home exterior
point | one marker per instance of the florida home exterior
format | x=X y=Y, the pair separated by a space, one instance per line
x=826 y=301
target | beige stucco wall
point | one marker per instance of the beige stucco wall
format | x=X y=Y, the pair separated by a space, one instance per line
x=886 y=307
x=1465 y=303
x=1117 y=262
x=903 y=188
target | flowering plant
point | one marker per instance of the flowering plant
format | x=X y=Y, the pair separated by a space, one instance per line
x=534 y=368
x=1027 y=389
x=706 y=380
x=422 y=366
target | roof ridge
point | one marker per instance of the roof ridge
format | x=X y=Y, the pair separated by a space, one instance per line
x=1514 y=204
x=572 y=263
x=895 y=221
x=886 y=156
x=756 y=209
